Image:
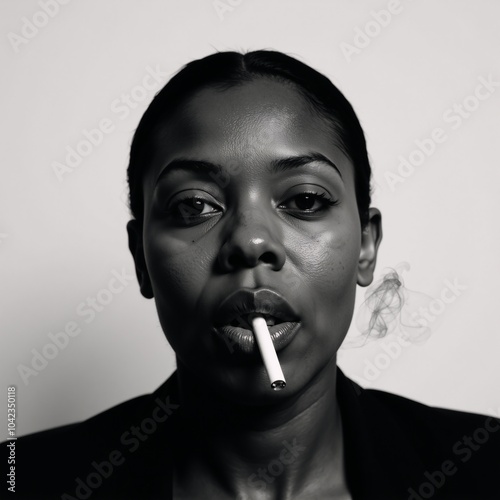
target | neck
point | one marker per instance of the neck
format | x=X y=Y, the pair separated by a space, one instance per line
x=280 y=447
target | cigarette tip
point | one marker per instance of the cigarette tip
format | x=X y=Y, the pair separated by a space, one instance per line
x=277 y=385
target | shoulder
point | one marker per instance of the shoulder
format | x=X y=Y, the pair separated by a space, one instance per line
x=104 y=449
x=427 y=448
x=434 y=427
x=95 y=432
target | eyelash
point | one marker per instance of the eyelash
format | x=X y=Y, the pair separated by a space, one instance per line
x=185 y=200
x=325 y=201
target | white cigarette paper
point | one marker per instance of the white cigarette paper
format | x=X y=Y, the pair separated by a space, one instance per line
x=268 y=353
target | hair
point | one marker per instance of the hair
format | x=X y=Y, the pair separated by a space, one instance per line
x=224 y=70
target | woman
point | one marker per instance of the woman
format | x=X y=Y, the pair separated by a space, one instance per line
x=250 y=191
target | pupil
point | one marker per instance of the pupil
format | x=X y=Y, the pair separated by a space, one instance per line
x=305 y=201
x=193 y=206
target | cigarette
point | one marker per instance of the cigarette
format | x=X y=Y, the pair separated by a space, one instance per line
x=268 y=353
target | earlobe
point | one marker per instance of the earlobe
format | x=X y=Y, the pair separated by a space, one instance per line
x=136 y=247
x=371 y=237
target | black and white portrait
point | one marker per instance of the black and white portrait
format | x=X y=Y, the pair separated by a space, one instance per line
x=249 y=249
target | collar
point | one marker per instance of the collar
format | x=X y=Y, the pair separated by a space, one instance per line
x=380 y=461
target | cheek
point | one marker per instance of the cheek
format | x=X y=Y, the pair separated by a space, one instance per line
x=330 y=260
x=331 y=264
x=179 y=272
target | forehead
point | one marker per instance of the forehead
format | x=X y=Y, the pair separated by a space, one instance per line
x=258 y=120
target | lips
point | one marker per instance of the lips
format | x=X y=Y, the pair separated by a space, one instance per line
x=245 y=302
x=232 y=320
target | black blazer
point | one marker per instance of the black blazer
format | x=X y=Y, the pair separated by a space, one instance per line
x=395 y=449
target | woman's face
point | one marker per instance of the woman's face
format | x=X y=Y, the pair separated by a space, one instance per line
x=248 y=191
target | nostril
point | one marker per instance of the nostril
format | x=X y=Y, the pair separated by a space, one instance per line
x=234 y=255
x=236 y=261
x=268 y=258
x=239 y=261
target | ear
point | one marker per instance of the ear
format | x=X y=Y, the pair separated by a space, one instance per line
x=371 y=237
x=135 y=244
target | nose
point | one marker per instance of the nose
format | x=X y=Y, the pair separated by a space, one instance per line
x=252 y=239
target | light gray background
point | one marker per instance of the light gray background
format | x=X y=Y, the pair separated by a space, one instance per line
x=60 y=240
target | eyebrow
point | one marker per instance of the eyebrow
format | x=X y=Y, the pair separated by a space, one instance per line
x=190 y=165
x=292 y=162
x=279 y=165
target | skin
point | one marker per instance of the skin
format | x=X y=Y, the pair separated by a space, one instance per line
x=256 y=230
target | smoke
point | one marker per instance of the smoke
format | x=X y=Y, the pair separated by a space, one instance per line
x=390 y=307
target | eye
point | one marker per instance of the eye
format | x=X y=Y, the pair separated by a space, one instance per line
x=190 y=210
x=308 y=203
x=194 y=206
